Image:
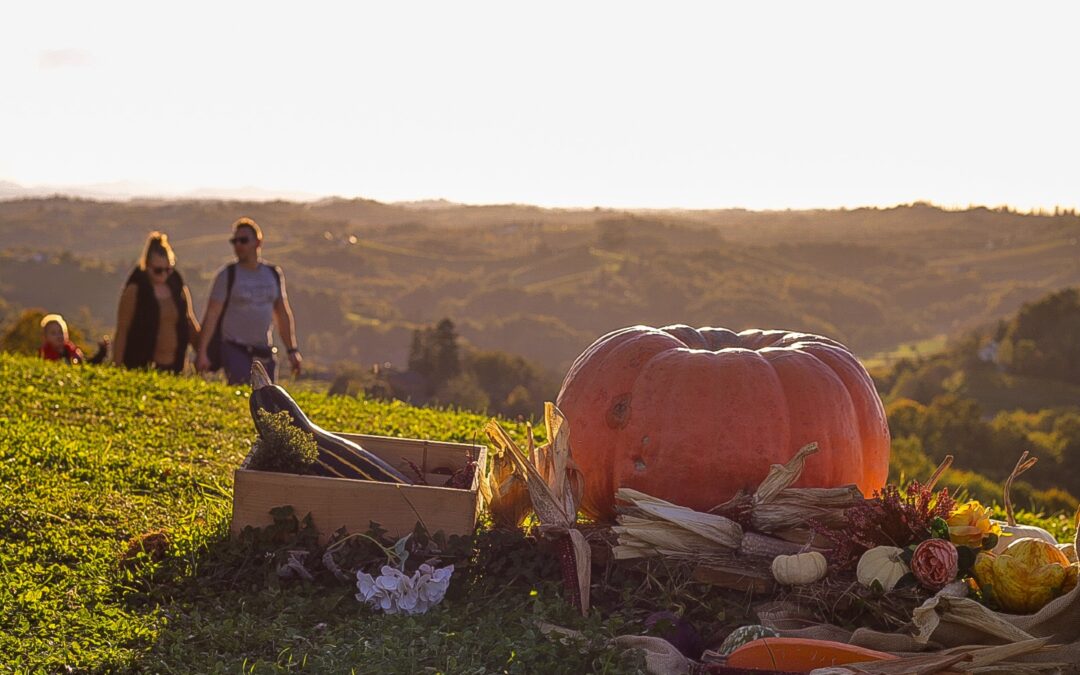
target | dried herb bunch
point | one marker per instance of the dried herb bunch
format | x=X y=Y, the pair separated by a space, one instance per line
x=281 y=446
x=892 y=517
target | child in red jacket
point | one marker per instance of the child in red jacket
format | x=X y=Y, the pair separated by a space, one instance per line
x=56 y=346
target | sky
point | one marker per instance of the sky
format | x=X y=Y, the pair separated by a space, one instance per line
x=762 y=105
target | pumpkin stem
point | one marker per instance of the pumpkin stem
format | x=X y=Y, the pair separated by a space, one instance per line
x=945 y=464
x=1022 y=465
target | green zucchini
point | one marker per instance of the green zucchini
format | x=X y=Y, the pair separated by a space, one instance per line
x=338 y=457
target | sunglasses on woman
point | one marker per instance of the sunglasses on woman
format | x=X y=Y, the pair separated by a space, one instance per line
x=239 y=240
x=160 y=270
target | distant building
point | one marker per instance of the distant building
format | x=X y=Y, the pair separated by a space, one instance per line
x=407 y=385
x=988 y=353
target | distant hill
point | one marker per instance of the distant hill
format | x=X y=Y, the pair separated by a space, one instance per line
x=126 y=190
x=993 y=393
x=544 y=283
x=1027 y=361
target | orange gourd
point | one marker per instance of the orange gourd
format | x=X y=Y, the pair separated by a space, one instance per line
x=800 y=655
x=693 y=416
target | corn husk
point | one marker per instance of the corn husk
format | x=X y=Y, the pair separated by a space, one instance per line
x=776 y=506
x=503 y=487
x=974 y=658
x=951 y=604
x=794 y=507
x=552 y=483
x=544 y=480
x=649 y=526
x=782 y=475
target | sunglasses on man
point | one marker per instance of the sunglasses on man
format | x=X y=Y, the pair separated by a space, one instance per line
x=239 y=240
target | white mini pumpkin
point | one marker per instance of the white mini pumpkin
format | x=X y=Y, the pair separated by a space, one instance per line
x=883 y=565
x=799 y=569
x=1019 y=532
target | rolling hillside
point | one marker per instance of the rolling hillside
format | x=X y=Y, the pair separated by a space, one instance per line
x=544 y=283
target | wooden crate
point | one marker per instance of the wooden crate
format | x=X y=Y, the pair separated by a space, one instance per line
x=354 y=504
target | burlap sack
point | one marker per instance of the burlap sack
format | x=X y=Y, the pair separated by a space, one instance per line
x=661 y=657
x=950 y=620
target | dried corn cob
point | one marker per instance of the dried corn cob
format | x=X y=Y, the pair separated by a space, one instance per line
x=764 y=546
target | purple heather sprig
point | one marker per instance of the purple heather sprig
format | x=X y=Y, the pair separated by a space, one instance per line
x=889 y=518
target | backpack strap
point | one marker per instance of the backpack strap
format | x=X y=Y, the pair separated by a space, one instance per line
x=214 y=348
x=230 y=279
x=277 y=274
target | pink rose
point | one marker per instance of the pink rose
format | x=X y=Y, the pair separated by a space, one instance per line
x=934 y=563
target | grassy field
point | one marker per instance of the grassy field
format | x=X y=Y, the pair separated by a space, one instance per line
x=92 y=457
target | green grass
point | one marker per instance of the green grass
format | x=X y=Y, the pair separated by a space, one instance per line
x=91 y=457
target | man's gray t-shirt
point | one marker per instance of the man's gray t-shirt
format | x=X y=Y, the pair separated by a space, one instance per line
x=249 y=317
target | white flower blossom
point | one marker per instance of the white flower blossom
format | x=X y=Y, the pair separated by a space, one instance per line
x=394 y=593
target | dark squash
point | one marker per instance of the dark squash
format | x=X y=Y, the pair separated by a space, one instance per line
x=338 y=457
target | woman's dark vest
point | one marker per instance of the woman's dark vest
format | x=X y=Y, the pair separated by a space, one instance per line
x=142 y=335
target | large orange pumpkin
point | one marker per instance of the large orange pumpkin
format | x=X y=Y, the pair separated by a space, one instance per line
x=694 y=415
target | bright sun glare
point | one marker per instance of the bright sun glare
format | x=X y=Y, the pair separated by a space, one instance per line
x=695 y=105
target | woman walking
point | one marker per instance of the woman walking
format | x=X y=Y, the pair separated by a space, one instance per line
x=155 y=322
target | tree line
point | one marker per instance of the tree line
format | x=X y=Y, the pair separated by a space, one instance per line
x=442 y=371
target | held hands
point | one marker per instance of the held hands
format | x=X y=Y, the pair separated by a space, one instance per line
x=202 y=362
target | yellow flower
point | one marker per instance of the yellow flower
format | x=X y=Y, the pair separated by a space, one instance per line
x=970 y=524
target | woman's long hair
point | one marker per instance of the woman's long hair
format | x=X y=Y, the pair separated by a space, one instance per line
x=156 y=242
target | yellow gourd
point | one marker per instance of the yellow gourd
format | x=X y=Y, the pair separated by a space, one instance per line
x=883 y=565
x=1071 y=573
x=1028 y=574
x=799 y=569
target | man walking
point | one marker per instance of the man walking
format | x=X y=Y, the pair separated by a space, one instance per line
x=247 y=299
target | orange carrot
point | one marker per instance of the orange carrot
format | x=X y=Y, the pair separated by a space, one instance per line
x=800 y=654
